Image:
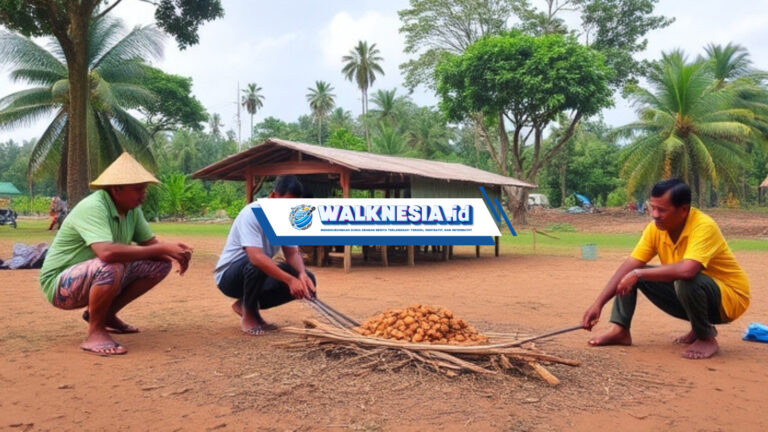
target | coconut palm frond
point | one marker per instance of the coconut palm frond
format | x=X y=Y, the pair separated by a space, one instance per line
x=145 y=42
x=25 y=115
x=36 y=76
x=103 y=34
x=132 y=95
x=47 y=150
x=32 y=96
x=20 y=52
x=133 y=130
x=733 y=131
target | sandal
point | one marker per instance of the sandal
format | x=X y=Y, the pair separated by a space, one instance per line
x=106 y=349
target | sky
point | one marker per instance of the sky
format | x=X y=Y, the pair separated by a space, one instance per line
x=285 y=47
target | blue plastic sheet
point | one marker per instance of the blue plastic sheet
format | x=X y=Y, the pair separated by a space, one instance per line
x=756 y=332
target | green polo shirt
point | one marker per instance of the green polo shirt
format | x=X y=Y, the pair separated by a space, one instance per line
x=93 y=220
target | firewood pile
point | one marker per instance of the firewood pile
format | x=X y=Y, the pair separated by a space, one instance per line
x=426 y=337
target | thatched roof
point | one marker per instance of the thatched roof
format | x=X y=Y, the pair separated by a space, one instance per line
x=764 y=183
x=365 y=167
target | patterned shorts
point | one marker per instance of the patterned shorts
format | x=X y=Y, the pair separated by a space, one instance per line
x=74 y=284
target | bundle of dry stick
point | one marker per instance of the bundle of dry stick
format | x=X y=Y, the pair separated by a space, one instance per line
x=426 y=337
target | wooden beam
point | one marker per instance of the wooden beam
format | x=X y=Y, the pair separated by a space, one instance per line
x=384 y=257
x=294 y=167
x=496 y=240
x=445 y=252
x=411 y=255
x=477 y=251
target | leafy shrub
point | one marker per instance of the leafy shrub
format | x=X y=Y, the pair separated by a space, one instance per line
x=617 y=197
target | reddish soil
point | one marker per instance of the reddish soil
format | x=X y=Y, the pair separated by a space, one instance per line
x=192 y=369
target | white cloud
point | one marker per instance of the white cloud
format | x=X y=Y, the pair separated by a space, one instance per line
x=344 y=31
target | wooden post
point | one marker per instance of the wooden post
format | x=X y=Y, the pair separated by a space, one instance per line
x=445 y=252
x=496 y=240
x=533 y=231
x=248 y=187
x=411 y=255
x=344 y=182
x=450 y=252
x=477 y=251
x=384 y=257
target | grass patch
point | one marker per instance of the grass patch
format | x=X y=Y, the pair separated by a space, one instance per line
x=33 y=231
x=571 y=242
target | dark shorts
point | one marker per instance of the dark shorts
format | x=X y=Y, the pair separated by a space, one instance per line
x=243 y=280
x=74 y=284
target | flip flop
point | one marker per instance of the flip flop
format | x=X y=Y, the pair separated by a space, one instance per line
x=127 y=328
x=255 y=331
x=103 y=349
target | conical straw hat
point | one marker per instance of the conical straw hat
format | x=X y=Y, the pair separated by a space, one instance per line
x=123 y=171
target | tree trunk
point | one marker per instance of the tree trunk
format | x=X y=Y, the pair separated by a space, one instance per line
x=77 y=146
x=518 y=204
x=365 y=119
x=562 y=184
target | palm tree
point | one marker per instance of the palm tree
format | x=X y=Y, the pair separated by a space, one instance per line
x=115 y=69
x=214 y=122
x=732 y=69
x=429 y=134
x=321 y=102
x=390 y=141
x=340 y=118
x=252 y=101
x=361 y=66
x=687 y=128
x=388 y=106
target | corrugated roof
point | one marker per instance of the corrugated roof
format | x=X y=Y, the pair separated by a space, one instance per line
x=233 y=167
x=7 y=188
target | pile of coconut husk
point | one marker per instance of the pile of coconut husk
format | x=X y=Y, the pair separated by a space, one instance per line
x=427 y=338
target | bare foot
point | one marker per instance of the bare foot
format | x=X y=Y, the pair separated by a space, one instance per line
x=687 y=339
x=101 y=343
x=237 y=307
x=114 y=324
x=616 y=335
x=702 y=348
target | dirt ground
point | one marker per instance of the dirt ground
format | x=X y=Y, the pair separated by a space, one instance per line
x=191 y=368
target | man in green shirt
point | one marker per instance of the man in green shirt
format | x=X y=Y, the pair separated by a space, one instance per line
x=92 y=262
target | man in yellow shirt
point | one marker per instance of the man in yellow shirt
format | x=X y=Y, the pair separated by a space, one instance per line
x=698 y=280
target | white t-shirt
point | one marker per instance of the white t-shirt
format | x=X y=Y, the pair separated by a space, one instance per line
x=245 y=232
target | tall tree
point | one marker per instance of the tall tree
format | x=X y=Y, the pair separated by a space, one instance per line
x=252 y=100
x=433 y=27
x=527 y=82
x=321 y=102
x=69 y=23
x=361 y=66
x=215 y=124
x=114 y=66
x=687 y=127
x=174 y=105
x=389 y=108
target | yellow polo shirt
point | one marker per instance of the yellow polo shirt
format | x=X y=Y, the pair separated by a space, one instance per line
x=702 y=241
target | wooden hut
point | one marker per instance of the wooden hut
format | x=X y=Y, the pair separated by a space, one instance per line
x=324 y=169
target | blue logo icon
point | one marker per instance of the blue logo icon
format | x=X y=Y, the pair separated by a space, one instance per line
x=301 y=216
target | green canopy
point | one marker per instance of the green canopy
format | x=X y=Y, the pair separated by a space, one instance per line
x=7 y=188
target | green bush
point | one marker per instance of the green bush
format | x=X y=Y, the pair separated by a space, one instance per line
x=617 y=198
x=38 y=205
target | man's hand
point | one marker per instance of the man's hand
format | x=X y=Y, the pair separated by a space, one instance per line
x=179 y=252
x=627 y=283
x=308 y=284
x=591 y=317
x=298 y=289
